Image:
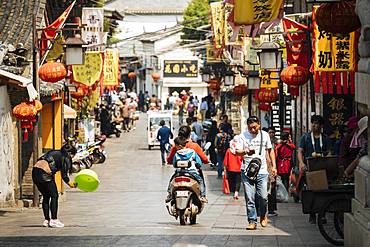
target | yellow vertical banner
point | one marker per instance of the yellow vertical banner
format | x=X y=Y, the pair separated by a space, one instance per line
x=248 y=12
x=229 y=29
x=217 y=16
x=333 y=52
x=111 y=62
x=344 y=51
x=89 y=72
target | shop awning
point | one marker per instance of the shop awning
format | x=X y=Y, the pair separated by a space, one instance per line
x=69 y=113
x=19 y=81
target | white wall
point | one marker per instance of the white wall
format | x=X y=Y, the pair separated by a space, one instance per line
x=6 y=148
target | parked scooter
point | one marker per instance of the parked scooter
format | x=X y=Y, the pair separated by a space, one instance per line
x=185 y=190
x=96 y=151
x=81 y=160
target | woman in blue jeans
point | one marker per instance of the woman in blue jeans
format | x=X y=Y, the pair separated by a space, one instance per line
x=255 y=143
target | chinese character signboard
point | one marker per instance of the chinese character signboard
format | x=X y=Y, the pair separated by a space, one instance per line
x=333 y=52
x=111 y=60
x=233 y=36
x=180 y=68
x=91 y=70
x=248 y=12
x=93 y=21
x=269 y=79
x=217 y=15
x=337 y=110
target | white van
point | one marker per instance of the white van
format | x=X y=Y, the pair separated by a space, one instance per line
x=154 y=117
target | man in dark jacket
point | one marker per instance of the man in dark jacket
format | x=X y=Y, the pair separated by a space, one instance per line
x=163 y=136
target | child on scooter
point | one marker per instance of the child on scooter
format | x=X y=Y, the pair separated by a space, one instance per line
x=185 y=154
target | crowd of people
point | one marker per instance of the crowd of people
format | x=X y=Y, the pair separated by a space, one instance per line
x=262 y=163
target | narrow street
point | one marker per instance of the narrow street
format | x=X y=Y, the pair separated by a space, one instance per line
x=128 y=210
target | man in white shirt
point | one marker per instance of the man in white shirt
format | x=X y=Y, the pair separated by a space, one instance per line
x=249 y=145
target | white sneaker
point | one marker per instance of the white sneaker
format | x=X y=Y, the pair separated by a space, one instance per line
x=45 y=223
x=56 y=224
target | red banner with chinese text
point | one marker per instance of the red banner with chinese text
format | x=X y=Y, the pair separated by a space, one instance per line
x=333 y=60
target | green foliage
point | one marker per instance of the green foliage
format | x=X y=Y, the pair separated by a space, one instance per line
x=96 y=3
x=195 y=15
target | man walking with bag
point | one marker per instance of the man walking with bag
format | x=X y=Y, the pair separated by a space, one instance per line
x=254 y=144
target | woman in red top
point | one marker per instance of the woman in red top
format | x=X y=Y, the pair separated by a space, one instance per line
x=233 y=163
x=185 y=131
x=284 y=155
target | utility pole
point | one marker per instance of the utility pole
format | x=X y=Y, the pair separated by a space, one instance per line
x=36 y=84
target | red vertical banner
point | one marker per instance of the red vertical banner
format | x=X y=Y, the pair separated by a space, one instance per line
x=324 y=79
x=330 y=83
x=345 y=82
x=317 y=82
x=352 y=81
x=338 y=82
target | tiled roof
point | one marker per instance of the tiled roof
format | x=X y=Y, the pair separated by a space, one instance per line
x=149 y=6
x=16 y=20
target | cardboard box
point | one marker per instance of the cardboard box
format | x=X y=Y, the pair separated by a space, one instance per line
x=317 y=180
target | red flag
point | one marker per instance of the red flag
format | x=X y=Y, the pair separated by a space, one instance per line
x=296 y=42
x=49 y=34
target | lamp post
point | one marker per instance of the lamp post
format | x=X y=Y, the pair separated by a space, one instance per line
x=253 y=84
x=75 y=50
x=206 y=74
x=229 y=78
x=270 y=57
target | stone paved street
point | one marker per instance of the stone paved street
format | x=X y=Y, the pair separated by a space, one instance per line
x=128 y=210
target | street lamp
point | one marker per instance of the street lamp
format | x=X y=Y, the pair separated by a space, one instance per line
x=229 y=78
x=206 y=74
x=253 y=80
x=75 y=50
x=270 y=55
x=253 y=84
x=270 y=58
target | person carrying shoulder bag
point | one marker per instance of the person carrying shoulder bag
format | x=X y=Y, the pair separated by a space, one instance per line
x=254 y=145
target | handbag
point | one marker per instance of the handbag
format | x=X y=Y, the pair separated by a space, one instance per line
x=226 y=188
x=254 y=165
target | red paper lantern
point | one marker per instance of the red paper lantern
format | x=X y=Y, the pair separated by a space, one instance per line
x=267 y=95
x=338 y=17
x=26 y=113
x=214 y=85
x=52 y=72
x=131 y=75
x=79 y=94
x=240 y=90
x=294 y=75
x=37 y=104
x=156 y=76
x=264 y=107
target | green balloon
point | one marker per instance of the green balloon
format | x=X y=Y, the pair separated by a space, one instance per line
x=87 y=180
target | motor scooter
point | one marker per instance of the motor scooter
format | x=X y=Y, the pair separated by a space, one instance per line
x=185 y=190
x=96 y=151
